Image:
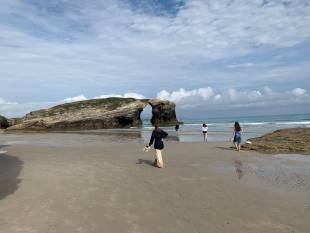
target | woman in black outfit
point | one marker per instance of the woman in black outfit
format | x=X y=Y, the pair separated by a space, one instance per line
x=157 y=136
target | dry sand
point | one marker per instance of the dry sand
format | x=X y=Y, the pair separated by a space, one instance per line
x=112 y=187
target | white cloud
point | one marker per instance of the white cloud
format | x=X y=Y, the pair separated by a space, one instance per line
x=243 y=65
x=232 y=98
x=4 y=102
x=9 y=109
x=126 y=95
x=217 y=97
x=106 y=44
x=196 y=99
x=299 y=91
x=87 y=46
x=74 y=99
x=181 y=94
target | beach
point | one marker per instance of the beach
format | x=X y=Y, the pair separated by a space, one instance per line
x=57 y=182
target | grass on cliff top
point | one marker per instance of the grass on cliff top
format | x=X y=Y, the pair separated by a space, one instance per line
x=93 y=103
x=109 y=103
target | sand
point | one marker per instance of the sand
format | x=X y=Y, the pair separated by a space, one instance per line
x=95 y=186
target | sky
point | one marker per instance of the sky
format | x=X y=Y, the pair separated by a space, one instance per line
x=212 y=58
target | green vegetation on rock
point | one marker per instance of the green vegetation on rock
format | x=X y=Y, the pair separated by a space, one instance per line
x=294 y=140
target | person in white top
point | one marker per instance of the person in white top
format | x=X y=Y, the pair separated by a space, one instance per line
x=205 y=132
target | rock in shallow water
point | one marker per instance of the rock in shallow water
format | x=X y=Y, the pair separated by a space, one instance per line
x=163 y=112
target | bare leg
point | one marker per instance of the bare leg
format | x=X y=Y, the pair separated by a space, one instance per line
x=236 y=145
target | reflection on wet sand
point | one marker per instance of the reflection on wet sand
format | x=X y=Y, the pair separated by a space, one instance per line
x=238 y=167
x=10 y=168
x=294 y=175
x=81 y=138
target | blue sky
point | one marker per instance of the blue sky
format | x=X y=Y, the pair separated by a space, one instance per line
x=211 y=57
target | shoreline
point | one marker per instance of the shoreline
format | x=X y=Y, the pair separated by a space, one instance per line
x=289 y=140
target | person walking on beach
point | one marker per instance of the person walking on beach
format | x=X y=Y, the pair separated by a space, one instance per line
x=157 y=136
x=205 y=132
x=237 y=136
x=177 y=127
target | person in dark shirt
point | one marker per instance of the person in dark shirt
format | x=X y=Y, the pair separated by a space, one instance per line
x=157 y=138
x=177 y=127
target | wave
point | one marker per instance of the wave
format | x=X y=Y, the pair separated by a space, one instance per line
x=243 y=124
x=200 y=124
x=255 y=123
x=293 y=123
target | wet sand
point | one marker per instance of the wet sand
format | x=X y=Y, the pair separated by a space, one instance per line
x=77 y=183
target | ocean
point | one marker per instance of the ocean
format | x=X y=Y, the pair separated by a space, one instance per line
x=221 y=129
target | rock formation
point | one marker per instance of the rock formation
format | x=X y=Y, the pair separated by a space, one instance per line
x=163 y=112
x=14 y=121
x=89 y=114
x=96 y=114
x=294 y=140
x=3 y=122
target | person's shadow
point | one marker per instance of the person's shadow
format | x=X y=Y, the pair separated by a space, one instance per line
x=10 y=168
x=146 y=161
x=239 y=169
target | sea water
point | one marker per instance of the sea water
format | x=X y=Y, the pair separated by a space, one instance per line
x=221 y=128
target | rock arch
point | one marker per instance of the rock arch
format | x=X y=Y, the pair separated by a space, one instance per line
x=97 y=114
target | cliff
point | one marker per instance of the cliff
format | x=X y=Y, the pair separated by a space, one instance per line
x=89 y=114
x=294 y=140
x=95 y=114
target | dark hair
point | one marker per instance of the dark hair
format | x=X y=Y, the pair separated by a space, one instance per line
x=237 y=126
x=156 y=127
x=204 y=125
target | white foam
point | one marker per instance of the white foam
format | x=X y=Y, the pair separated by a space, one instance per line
x=255 y=123
x=293 y=123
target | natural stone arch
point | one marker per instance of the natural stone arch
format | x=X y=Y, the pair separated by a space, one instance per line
x=97 y=114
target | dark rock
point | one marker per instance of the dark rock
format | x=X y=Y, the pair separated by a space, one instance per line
x=163 y=112
x=3 y=122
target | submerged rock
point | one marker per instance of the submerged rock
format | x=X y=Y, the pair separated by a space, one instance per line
x=3 y=122
x=294 y=140
x=163 y=112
